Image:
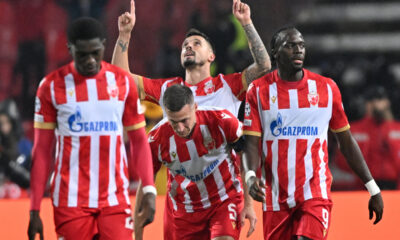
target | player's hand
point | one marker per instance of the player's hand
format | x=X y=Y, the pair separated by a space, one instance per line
x=249 y=213
x=256 y=186
x=376 y=205
x=147 y=209
x=35 y=225
x=241 y=11
x=127 y=20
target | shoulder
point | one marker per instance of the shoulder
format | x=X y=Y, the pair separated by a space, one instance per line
x=213 y=113
x=159 y=131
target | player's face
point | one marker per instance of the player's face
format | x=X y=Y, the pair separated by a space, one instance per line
x=87 y=55
x=196 y=51
x=291 y=51
x=184 y=120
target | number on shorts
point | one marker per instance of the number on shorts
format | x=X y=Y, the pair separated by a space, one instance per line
x=325 y=217
x=129 y=220
x=232 y=211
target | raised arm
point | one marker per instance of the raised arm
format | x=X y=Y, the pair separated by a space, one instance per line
x=262 y=62
x=351 y=151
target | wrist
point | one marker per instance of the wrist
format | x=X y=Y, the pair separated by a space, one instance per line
x=248 y=175
x=149 y=189
x=245 y=23
x=34 y=213
x=372 y=187
x=124 y=36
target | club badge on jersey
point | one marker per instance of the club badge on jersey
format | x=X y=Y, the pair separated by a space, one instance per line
x=313 y=98
x=209 y=87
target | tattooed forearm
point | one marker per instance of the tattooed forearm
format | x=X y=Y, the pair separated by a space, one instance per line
x=123 y=45
x=262 y=63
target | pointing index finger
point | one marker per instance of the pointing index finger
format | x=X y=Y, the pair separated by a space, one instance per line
x=132 y=6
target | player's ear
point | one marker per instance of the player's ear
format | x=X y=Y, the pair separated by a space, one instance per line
x=211 y=57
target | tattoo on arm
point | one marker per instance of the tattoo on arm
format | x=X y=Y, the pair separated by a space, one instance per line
x=259 y=53
x=123 y=45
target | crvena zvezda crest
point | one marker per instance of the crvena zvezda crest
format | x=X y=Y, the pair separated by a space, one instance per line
x=313 y=98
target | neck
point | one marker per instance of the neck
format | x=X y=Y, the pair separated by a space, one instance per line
x=197 y=74
x=291 y=75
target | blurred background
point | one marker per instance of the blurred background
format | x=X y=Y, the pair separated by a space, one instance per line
x=354 y=42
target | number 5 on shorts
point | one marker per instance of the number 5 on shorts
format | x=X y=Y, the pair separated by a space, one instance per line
x=232 y=211
x=325 y=217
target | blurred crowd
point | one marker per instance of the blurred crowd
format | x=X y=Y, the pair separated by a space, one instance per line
x=33 y=43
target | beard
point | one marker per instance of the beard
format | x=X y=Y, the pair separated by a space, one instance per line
x=189 y=63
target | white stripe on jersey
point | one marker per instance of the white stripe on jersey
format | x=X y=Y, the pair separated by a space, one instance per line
x=112 y=187
x=293 y=97
x=56 y=193
x=273 y=99
x=70 y=91
x=275 y=178
x=110 y=76
x=92 y=90
x=322 y=171
x=312 y=88
x=173 y=154
x=123 y=164
x=203 y=193
x=187 y=201
x=309 y=170
x=220 y=184
x=94 y=172
x=291 y=165
x=53 y=94
x=73 y=172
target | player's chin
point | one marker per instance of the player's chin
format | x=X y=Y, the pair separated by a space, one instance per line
x=188 y=63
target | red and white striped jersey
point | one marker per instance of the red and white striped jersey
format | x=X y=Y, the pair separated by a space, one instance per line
x=224 y=91
x=88 y=115
x=293 y=120
x=202 y=168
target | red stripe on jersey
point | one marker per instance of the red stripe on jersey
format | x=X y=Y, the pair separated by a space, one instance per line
x=179 y=197
x=199 y=143
x=182 y=152
x=328 y=171
x=60 y=91
x=314 y=182
x=121 y=83
x=102 y=88
x=63 y=196
x=301 y=150
x=118 y=178
x=264 y=91
x=283 y=98
x=322 y=89
x=283 y=146
x=104 y=167
x=84 y=171
x=268 y=176
x=212 y=189
x=227 y=178
x=81 y=90
x=302 y=96
x=194 y=195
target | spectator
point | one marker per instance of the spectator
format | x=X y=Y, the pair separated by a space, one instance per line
x=378 y=135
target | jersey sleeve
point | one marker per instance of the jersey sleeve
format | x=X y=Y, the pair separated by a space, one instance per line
x=155 y=148
x=45 y=112
x=238 y=84
x=232 y=127
x=338 y=122
x=133 y=117
x=151 y=89
x=252 y=122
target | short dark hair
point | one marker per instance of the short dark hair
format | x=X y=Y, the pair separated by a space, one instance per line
x=85 y=28
x=375 y=92
x=177 y=96
x=275 y=38
x=195 y=32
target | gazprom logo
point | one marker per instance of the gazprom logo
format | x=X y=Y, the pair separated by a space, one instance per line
x=277 y=128
x=76 y=124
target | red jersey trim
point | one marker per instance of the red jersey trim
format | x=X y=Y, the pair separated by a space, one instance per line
x=136 y=126
x=46 y=125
